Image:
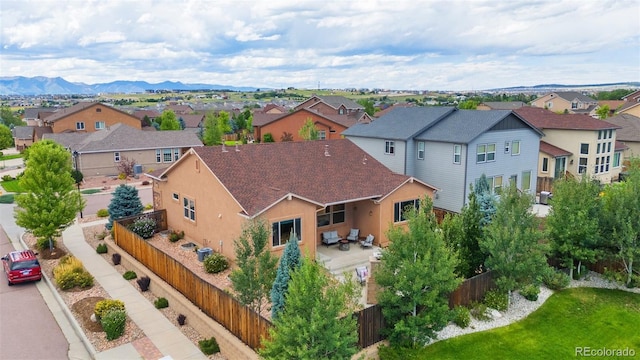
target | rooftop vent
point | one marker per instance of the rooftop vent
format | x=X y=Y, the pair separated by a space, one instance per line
x=326 y=150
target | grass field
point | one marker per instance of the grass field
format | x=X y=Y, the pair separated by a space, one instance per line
x=10 y=157
x=569 y=319
x=11 y=186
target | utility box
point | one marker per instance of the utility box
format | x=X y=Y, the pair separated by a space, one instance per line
x=203 y=253
x=545 y=196
x=137 y=169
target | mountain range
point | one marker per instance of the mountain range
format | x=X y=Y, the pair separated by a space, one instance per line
x=40 y=85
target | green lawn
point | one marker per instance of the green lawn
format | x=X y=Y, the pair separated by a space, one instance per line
x=580 y=317
x=9 y=157
x=90 y=191
x=11 y=186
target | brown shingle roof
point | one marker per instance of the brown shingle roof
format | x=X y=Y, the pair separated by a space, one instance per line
x=191 y=120
x=260 y=175
x=629 y=127
x=552 y=150
x=545 y=119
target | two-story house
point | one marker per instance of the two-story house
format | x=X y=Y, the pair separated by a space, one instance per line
x=451 y=148
x=89 y=117
x=335 y=105
x=571 y=102
x=581 y=144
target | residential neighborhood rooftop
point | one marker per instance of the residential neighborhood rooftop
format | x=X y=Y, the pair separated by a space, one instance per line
x=546 y=119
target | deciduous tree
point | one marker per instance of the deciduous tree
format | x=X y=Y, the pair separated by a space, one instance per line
x=168 y=121
x=50 y=202
x=9 y=118
x=603 y=112
x=289 y=262
x=211 y=134
x=256 y=271
x=6 y=138
x=416 y=274
x=316 y=322
x=308 y=131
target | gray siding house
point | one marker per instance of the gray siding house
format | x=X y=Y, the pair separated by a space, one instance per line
x=451 y=148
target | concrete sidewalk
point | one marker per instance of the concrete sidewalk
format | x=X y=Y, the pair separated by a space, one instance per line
x=162 y=337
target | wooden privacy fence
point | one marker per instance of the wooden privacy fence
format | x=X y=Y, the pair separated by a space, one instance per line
x=370 y=325
x=240 y=320
x=544 y=184
x=471 y=290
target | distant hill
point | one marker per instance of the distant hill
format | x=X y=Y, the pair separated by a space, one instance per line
x=563 y=87
x=40 y=85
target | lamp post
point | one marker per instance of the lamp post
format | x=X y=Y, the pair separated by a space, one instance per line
x=75 y=162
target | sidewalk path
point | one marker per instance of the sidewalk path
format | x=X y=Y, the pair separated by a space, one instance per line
x=162 y=336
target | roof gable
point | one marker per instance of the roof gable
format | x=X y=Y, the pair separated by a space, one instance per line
x=629 y=127
x=79 y=107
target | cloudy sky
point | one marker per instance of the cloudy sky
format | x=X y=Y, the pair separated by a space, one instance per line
x=390 y=44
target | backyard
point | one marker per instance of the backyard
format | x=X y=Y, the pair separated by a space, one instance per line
x=569 y=321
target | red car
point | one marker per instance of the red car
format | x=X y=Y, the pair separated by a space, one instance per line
x=21 y=266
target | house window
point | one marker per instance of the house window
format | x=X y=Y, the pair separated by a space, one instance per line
x=609 y=147
x=80 y=125
x=507 y=147
x=549 y=104
x=389 y=147
x=610 y=133
x=116 y=156
x=341 y=111
x=100 y=125
x=515 y=147
x=526 y=180
x=598 y=149
x=282 y=231
x=497 y=184
x=486 y=152
x=322 y=134
x=175 y=196
x=400 y=209
x=331 y=215
x=98 y=110
x=457 y=154
x=600 y=135
x=584 y=148
x=176 y=154
x=597 y=165
x=189 y=209
x=513 y=180
x=582 y=165
x=616 y=159
x=166 y=155
x=574 y=105
x=158 y=156
x=420 y=150
x=545 y=164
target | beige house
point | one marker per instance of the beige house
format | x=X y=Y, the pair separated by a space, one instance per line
x=87 y=117
x=569 y=101
x=628 y=133
x=581 y=144
x=306 y=188
x=100 y=153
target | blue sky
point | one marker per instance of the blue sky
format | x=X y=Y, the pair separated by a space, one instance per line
x=390 y=44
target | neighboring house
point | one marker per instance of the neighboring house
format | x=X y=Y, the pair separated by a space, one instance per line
x=89 y=117
x=179 y=109
x=570 y=101
x=150 y=114
x=628 y=133
x=613 y=105
x=633 y=97
x=335 y=105
x=305 y=188
x=451 y=148
x=192 y=121
x=272 y=109
x=99 y=153
x=500 y=105
x=328 y=126
x=629 y=108
x=22 y=137
x=32 y=115
x=590 y=143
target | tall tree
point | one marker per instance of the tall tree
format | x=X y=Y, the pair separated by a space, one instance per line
x=6 y=137
x=603 y=112
x=256 y=270
x=212 y=134
x=168 y=121
x=573 y=222
x=125 y=202
x=515 y=253
x=49 y=203
x=308 y=131
x=621 y=217
x=9 y=118
x=486 y=199
x=416 y=274
x=289 y=262
x=368 y=106
x=317 y=321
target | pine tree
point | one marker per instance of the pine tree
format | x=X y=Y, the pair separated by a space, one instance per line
x=125 y=202
x=290 y=261
x=486 y=200
x=317 y=321
x=50 y=202
x=417 y=273
x=256 y=270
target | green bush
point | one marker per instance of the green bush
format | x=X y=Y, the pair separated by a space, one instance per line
x=215 y=263
x=129 y=275
x=70 y=273
x=496 y=299
x=209 y=346
x=144 y=227
x=43 y=243
x=175 y=236
x=461 y=316
x=530 y=292
x=555 y=279
x=102 y=248
x=479 y=311
x=161 y=303
x=7 y=178
x=103 y=213
x=105 y=305
x=113 y=323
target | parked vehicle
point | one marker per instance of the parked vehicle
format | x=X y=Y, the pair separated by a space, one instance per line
x=21 y=266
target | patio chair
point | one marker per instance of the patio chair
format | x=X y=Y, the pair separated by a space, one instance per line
x=361 y=274
x=367 y=242
x=353 y=235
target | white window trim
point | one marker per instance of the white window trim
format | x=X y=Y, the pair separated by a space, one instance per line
x=457 y=150
x=116 y=156
x=189 y=209
x=513 y=152
x=80 y=125
x=104 y=125
x=389 y=147
x=419 y=155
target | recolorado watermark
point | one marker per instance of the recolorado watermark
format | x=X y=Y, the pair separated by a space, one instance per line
x=586 y=351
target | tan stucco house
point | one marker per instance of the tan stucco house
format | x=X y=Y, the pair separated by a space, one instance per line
x=570 y=101
x=628 y=133
x=581 y=145
x=306 y=187
x=89 y=117
x=99 y=153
